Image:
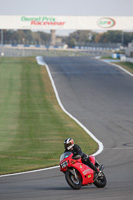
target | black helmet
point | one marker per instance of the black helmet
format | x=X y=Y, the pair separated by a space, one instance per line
x=68 y=143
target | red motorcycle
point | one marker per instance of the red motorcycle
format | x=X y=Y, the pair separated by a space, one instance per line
x=78 y=174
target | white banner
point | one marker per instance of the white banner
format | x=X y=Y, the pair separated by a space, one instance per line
x=64 y=22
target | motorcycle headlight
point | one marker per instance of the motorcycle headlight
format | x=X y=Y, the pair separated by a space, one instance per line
x=64 y=164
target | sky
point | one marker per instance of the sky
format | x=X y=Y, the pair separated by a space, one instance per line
x=67 y=8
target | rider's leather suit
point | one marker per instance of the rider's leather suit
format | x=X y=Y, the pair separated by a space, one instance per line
x=76 y=150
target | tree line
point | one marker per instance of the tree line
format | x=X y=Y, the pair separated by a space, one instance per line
x=85 y=37
x=82 y=37
x=25 y=37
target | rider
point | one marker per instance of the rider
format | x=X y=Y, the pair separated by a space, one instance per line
x=76 y=150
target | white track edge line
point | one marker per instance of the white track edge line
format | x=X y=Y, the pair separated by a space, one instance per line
x=118 y=66
x=28 y=172
x=101 y=147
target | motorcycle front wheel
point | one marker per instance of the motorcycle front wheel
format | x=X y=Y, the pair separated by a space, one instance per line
x=100 y=182
x=74 y=182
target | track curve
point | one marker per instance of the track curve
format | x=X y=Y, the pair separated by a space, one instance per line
x=101 y=97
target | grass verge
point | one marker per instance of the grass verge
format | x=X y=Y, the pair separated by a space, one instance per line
x=109 y=58
x=32 y=125
x=126 y=65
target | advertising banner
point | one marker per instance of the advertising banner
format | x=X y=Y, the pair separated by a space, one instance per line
x=66 y=22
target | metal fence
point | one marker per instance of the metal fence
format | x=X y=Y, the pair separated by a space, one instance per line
x=38 y=51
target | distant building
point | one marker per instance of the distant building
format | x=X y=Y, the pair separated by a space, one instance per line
x=129 y=50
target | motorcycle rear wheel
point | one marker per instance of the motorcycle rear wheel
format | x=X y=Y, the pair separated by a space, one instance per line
x=74 y=183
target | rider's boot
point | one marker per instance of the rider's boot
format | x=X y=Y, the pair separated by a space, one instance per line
x=94 y=167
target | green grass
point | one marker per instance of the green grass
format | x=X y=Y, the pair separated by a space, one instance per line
x=32 y=125
x=127 y=65
x=109 y=58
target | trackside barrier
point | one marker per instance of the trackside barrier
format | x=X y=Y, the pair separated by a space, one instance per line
x=123 y=58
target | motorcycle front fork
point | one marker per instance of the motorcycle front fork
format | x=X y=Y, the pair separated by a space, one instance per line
x=97 y=164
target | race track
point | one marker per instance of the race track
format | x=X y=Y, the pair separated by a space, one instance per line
x=100 y=96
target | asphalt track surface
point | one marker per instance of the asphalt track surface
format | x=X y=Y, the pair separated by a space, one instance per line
x=100 y=96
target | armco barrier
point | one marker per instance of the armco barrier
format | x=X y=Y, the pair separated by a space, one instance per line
x=126 y=59
x=129 y=60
